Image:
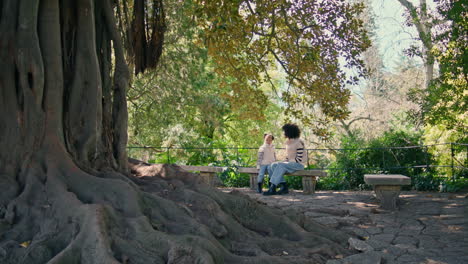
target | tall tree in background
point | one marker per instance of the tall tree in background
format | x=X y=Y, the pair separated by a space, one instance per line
x=66 y=193
x=442 y=34
x=447 y=100
x=382 y=97
x=420 y=17
x=423 y=19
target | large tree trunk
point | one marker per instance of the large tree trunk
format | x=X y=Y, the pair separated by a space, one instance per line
x=66 y=195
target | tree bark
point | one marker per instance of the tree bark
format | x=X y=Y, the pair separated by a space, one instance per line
x=139 y=35
x=420 y=18
x=67 y=195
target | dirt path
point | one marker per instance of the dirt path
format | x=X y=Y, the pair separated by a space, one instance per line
x=427 y=228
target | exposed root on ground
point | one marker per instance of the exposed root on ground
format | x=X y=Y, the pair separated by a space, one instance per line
x=160 y=214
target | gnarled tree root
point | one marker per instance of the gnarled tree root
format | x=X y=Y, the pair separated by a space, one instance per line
x=160 y=214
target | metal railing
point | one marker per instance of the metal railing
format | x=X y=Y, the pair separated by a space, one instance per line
x=322 y=158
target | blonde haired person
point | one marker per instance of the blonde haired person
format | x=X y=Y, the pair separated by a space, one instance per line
x=266 y=156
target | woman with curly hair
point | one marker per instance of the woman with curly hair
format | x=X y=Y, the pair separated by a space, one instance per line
x=296 y=160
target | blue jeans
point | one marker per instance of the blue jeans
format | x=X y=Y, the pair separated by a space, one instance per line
x=278 y=170
x=261 y=172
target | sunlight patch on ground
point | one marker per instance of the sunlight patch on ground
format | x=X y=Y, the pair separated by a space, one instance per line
x=431 y=261
x=293 y=200
x=407 y=195
x=361 y=204
x=324 y=197
x=453 y=205
x=454 y=228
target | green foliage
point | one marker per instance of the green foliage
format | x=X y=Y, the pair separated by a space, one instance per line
x=184 y=102
x=336 y=181
x=391 y=153
x=294 y=182
x=231 y=177
x=448 y=154
x=446 y=102
x=426 y=182
x=402 y=154
x=305 y=38
x=162 y=157
x=350 y=163
x=218 y=85
x=228 y=71
x=461 y=184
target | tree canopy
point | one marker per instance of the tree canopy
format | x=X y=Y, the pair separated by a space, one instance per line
x=309 y=42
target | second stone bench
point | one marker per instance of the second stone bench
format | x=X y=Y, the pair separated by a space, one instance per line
x=387 y=188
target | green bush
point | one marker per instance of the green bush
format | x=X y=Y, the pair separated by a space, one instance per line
x=391 y=153
x=425 y=182
x=394 y=152
x=460 y=184
x=231 y=177
x=333 y=182
x=294 y=182
x=347 y=170
x=161 y=157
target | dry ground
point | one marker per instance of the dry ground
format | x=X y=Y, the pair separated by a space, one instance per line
x=427 y=228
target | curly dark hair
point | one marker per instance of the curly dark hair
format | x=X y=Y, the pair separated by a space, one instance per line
x=291 y=131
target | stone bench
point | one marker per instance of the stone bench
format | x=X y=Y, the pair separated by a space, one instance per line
x=387 y=188
x=309 y=178
x=207 y=173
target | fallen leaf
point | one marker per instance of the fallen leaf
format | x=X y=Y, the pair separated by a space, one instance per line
x=25 y=244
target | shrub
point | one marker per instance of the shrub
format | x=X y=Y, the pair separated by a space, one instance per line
x=394 y=153
x=425 y=182
x=231 y=177
x=294 y=182
x=333 y=182
x=457 y=185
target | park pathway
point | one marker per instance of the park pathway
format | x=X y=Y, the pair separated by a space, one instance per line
x=428 y=227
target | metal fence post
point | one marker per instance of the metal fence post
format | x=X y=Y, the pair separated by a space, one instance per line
x=383 y=160
x=452 y=158
x=427 y=158
x=168 y=155
x=146 y=155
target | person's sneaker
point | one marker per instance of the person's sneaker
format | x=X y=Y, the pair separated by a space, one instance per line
x=281 y=192
x=259 y=187
x=283 y=188
x=271 y=190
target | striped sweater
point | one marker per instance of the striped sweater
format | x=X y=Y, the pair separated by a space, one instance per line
x=296 y=152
